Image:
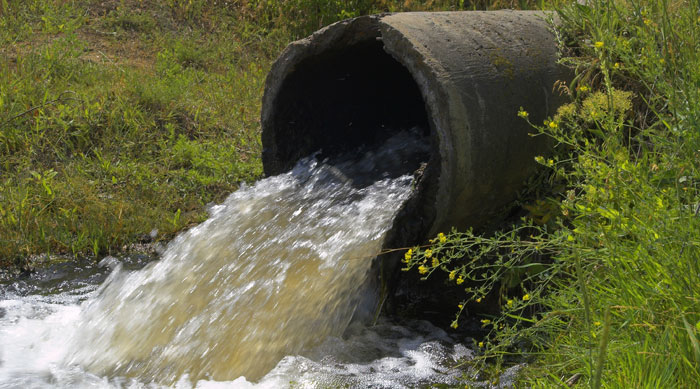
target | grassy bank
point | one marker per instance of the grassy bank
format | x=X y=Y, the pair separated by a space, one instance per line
x=119 y=118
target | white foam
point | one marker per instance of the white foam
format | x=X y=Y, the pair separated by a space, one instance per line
x=34 y=331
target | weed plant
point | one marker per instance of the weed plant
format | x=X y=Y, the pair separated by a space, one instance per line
x=600 y=283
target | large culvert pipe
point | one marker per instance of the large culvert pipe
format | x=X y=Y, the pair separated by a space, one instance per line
x=460 y=75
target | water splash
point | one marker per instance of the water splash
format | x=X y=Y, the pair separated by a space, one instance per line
x=33 y=344
x=276 y=269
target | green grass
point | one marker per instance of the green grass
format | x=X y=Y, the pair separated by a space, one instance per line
x=117 y=121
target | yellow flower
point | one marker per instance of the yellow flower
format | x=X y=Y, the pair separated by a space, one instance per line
x=442 y=238
x=408 y=255
x=553 y=125
x=526 y=297
x=570 y=238
x=428 y=253
x=539 y=159
x=481 y=344
x=596 y=323
x=435 y=262
x=478 y=300
x=523 y=113
x=460 y=306
x=647 y=21
x=454 y=324
x=583 y=88
x=452 y=274
x=617 y=65
x=510 y=303
x=460 y=280
x=599 y=45
x=485 y=321
x=422 y=269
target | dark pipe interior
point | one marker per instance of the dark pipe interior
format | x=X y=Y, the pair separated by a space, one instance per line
x=342 y=99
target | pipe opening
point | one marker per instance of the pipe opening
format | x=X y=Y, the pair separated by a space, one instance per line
x=460 y=77
x=345 y=99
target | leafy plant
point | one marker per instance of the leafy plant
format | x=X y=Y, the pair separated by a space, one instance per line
x=614 y=292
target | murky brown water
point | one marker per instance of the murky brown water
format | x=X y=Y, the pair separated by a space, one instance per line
x=262 y=293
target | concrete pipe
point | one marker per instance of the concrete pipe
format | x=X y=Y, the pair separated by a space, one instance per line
x=460 y=75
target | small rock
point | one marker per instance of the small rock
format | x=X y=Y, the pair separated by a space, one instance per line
x=573 y=380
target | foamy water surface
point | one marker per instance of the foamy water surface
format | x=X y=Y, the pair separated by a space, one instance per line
x=274 y=290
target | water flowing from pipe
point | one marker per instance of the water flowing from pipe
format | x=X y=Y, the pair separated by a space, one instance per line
x=276 y=269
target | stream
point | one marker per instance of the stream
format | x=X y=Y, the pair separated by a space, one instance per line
x=274 y=290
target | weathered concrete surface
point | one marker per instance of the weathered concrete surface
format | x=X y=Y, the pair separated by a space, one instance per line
x=463 y=75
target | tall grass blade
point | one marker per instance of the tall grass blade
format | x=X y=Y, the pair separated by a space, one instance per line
x=602 y=347
x=693 y=340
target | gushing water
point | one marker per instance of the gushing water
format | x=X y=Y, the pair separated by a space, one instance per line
x=278 y=268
